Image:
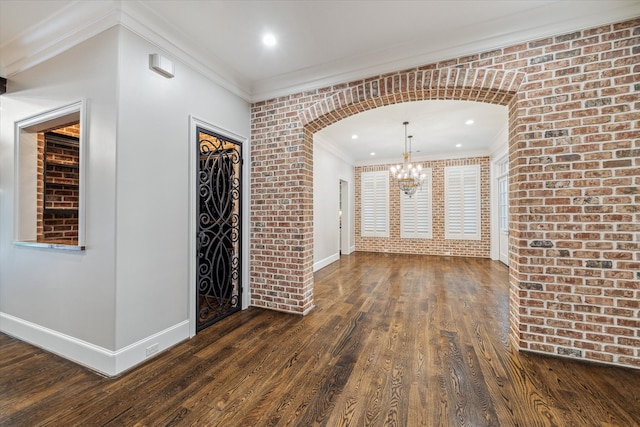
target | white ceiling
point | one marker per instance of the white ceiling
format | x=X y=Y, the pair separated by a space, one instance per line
x=319 y=43
x=436 y=126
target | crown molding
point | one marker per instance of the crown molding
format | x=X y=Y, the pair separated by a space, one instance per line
x=82 y=20
x=451 y=155
x=141 y=20
x=73 y=24
x=333 y=148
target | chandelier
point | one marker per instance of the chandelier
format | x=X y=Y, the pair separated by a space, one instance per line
x=410 y=178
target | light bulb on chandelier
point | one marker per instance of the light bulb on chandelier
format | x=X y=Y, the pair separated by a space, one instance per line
x=410 y=178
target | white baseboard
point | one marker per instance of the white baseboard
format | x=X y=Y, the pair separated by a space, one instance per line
x=107 y=362
x=324 y=262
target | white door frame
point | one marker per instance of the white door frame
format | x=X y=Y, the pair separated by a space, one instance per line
x=503 y=235
x=497 y=173
x=345 y=220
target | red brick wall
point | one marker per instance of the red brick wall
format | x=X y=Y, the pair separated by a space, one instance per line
x=574 y=138
x=58 y=226
x=437 y=245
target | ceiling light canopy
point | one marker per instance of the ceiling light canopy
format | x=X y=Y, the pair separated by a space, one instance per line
x=410 y=178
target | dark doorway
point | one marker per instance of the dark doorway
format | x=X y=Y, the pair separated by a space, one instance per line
x=218 y=240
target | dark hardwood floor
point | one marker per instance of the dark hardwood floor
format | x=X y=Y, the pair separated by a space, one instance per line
x=394 y=340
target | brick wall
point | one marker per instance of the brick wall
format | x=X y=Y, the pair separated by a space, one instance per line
x=574 y=185
x=53 y=223
x=437 y=245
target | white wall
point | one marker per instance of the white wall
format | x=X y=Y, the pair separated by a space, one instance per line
x=129 y=289
x=65 y=293
x=153 y=185
x=329 y=167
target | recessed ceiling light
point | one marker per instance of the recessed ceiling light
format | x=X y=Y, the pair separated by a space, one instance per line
x=354 y=136
x=469 y=122
x=269 y=40
x=373 y=154
x=458 y=145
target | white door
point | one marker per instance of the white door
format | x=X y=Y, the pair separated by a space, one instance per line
x=503 y=218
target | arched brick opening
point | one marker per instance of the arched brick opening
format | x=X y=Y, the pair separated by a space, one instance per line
x=574 y=183
x=466 y=84
x=288 y=286
x=463 y=84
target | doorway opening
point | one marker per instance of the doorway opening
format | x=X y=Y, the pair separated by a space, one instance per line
x=492 y=86
x=50 y=179
x=219 y=231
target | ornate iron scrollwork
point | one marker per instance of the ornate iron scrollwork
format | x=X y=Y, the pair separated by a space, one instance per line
x=219 y=232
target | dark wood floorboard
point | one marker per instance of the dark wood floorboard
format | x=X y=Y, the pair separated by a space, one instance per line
x=394 y=340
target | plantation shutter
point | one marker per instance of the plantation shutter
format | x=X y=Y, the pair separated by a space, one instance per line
x=462 y=202
x=375 y=204
x=415 y=212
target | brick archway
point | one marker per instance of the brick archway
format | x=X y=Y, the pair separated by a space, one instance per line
x=465 y=84
x=288 y=285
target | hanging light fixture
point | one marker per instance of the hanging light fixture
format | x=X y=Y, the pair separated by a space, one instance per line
x=410 y=178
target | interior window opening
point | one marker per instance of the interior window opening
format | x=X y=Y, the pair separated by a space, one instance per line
x=48 y=180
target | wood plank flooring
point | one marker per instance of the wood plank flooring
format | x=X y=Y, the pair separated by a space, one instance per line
x=395 y=340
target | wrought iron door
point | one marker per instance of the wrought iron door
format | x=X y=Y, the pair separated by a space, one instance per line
x=219 y=289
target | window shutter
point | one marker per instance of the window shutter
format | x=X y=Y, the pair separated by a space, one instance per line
x=462 y=202
x=375 y=204
x=415 y=212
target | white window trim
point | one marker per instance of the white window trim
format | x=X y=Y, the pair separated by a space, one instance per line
x=458 y=172
x=24 y=229
x=381 y=190
x=409 y=210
